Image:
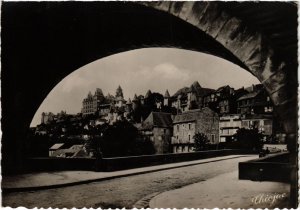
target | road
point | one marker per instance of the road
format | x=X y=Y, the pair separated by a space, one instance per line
x=121 y=192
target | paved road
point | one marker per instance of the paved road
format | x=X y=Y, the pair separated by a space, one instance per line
x=121 y=192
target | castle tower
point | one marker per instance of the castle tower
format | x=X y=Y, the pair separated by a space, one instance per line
x=167 y=98
x=135 y=102
x=119 y=92
x=128 y=105
x=43 y=118
x=148 y=94
x=119 y=97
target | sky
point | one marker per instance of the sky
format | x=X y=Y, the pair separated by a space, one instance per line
x=139 y=70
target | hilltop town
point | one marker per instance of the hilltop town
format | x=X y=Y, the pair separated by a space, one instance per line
x=166 y=123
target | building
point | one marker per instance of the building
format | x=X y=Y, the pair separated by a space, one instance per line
x=158 y=128
x=228 y=102
x=187 y=124
x=100 y=104
x=228 y=125
x=59 y=150
x=255 y=102
x=262 y=122
x=47 y=118
x=189 y=98
x=119 y=99
x=91 y=104
x=54 y=148
x=212 y=99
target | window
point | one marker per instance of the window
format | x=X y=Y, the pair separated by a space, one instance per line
x=189 y=138
x=177 y=127
x=165 y=130
x=189 y=126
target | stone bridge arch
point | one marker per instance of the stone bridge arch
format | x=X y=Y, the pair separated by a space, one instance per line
x=233 y=25
x=44 y=42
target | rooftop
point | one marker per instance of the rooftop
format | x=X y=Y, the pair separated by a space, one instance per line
x=191 y=115
x=157 y=119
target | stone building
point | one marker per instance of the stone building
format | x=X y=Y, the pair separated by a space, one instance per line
x=100 y=104
x=189 y=98
x=212 y=99
x=47 y=118
x=119 y=99
x=158 y=128
x=257 y=101
x=228 y=102
x=91 y=104
x=187 y=124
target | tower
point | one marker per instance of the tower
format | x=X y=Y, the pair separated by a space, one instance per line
x=119 y=97
x=119 y=92
x=134 y=102
x=167 y=98
x=128 y=105
x=43 y=118
x=148 y=94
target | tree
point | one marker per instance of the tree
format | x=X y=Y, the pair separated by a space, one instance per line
x=201 y=142
x=249 y=139
x=122 y=139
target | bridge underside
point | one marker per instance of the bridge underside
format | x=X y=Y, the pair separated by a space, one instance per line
x=44 y=42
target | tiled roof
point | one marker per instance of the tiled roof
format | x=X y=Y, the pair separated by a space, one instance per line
x=167 y=94
x=157 y=119
x=191 y=116
x=249 y=95
x=56 y=146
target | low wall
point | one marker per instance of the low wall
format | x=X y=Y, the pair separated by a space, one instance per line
x=270 y=168
x=121 y=163
x=59 y=164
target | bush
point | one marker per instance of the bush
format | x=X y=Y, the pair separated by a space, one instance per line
x=201 y=142
x=248 y=139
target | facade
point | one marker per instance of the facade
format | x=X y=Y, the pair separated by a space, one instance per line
x=50 y=117
x=47 y=118
x=228 y=102
x=213 y=99
x=228 y=125
x=189 y=98
x=91 y=104
x=98 y=103
x=187 y=124
x=264 y=123
x=158 y=128
x=255 y=102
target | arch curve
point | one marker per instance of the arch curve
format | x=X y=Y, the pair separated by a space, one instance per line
x=43 y=42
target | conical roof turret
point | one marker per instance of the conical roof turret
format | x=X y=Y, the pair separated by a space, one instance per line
x=135 y=98
x=167 y=94
x=129 y=101
x=148 y=93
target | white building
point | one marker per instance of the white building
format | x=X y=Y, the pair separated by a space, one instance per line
x=228 y=125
